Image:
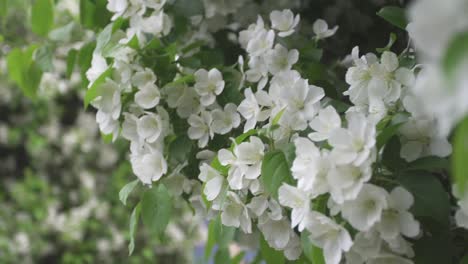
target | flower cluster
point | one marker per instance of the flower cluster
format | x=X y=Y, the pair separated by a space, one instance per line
x=329 y=180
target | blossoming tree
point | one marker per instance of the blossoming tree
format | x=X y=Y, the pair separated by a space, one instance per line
x=236 y=107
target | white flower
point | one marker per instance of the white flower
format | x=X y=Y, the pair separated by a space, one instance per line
x=419 y=138
x=253 y=30
x=235 y=213
x=310 y=168
x=321 y=29
x=98 y=66
x=280 y=59
x=296 y=199
x=277 y=232
x=143 y=77
x=346 y=181
x=261 y=43
x=149 y=127
x=329 y=236
x=251 y=110
x=366 y=210
x=245 y=162
x=208 y=85
x=200 y=128
x=284 y=21
x=225 y=121
x=396 y=219
x=185 y=99
x=213 y=181
x=354 y=144
x=148 y=96
x=129 y=127
x=149 y=167
x=324 y=124
x=117 y=6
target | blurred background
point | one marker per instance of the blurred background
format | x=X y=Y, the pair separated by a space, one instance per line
x=60 y=178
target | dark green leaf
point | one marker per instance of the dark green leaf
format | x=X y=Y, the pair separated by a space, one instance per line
x=180 y=148
x=189 y=8
x=429 y=164
x=126 y=190
x=460 y=156
x=275 y=171
x=394 y=15
x=430 y=198
x=133 y=226
x=238 y=258
x=391 y=155
x=71 y=60
x=270 y=255
x=42 y=17
x=156 y=208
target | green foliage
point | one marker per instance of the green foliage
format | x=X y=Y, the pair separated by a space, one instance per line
x=156 y=208
x=126 y=190
x=460 y=154
x=394 y=15
x=133 y=227
x=42 y=17
x=312 y=253
x=24 y=71
x=188 y=8
x=93 y=13
x=43 y=57
x=180 y=148
x=456 y=52
x=218 y=234
x=275 y=171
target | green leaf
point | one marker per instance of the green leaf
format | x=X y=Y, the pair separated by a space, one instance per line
x=277 y=117
x=85 y=56
x=126 y=190
x=312 y=253
x=270 y=255
x=42 y=17
x=460 y=156
x=103 y=38
x=156 y=208
x=94 y=14
x=218 y=234
x=189 y=8
x=133 y=226
x=93 y=91
x=275 y=171
x=222 y=256
x=429 y=164
x=71 y=60
x=391 y=155
x=64 y=33
x=180 y=148
x=388 y=132
x=390 y=43
x=394 y=15
x=238 y=258
x=43 y=57
x=24 y=71
x=455 y=54
x=436 y=205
